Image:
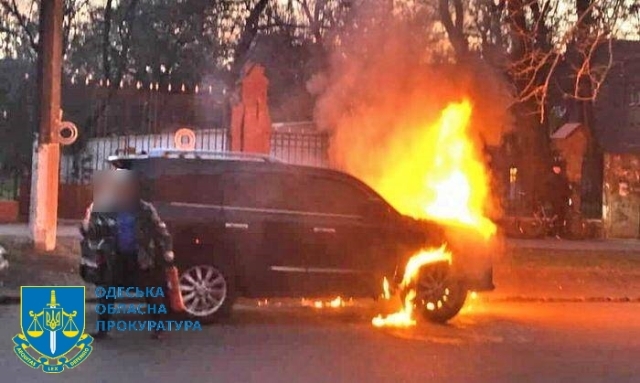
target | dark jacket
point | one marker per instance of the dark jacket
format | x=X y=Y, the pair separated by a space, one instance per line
x=558 y=189
x=153 y=238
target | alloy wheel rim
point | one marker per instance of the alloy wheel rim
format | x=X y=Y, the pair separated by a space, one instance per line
x=435 y=290
x=204 y=290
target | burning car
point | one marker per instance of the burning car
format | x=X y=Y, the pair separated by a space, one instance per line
x=251 y=226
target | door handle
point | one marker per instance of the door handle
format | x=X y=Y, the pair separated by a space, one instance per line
x=329 y=230
x=236 y=225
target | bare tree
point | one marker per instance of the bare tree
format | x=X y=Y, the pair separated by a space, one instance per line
x=452 y=18
x=247 y=36
x=19 y=25
x=115 y=47
x=535 y=43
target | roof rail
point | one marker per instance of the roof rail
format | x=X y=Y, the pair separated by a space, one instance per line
x=198 y=154
x=115 y=157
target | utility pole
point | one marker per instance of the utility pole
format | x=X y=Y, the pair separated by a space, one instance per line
x=44 y=186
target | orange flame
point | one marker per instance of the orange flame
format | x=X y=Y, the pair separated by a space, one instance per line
x=386 y=290
x=404 y=317
x=423 y=257
x=437 y=172
x=334 y=303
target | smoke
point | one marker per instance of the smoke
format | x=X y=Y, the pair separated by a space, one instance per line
x=388 y=81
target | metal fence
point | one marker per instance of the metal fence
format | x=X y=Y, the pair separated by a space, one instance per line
x=301 y=148
x=135 y=118
x=304 y=148
x=142 y=109
x=9 y=185
x=79 y=167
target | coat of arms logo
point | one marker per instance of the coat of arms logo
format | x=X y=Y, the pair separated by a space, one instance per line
x=52 y=319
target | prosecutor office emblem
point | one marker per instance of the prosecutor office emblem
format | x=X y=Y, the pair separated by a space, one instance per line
x=52 y=319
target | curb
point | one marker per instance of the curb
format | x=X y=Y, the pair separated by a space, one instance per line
x=524 y=299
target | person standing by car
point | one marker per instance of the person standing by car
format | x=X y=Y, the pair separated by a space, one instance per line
x=558 y=196
x=142 y=243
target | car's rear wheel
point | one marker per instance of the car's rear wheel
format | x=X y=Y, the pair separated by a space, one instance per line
x=439 y=294
x=207 y=292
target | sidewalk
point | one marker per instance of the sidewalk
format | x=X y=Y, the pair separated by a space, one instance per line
x=21 y=232
x=618 y=245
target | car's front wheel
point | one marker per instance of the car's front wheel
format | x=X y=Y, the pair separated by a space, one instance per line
x=439 y=294
x=207 y=292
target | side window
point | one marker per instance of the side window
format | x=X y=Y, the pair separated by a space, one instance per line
x=190 y=188
x=256 y=190
x=332 y=196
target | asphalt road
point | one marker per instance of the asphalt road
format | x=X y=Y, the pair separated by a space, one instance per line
x=500 y=342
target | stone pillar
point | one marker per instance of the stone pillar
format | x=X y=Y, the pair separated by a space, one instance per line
x=44 y=200
x=44 y=207
x=250 y=119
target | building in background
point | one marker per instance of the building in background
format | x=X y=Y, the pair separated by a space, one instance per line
x=617 y=130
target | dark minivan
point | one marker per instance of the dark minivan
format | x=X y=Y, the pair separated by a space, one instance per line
x=250 y=226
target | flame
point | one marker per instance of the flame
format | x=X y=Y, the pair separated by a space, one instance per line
x=436 y=171
x=338 y=302
x=334 y=303
x=427 y=168
x=404 y=317
x=472 y=303
x=386 y=291
x=423 y=257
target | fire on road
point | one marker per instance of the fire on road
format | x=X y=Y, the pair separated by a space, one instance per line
x=441 y=176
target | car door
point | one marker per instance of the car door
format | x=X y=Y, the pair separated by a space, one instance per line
x=351 y=233
x=188 y=198
x=263 y=230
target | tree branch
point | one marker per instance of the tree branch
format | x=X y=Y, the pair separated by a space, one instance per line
x=454 y=29
x=12 y=10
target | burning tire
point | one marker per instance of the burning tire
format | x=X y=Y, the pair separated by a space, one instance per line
x=207 y=292
x=439 y=295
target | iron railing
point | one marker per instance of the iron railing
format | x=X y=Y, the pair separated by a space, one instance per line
x=9 y=185
x=301 y=148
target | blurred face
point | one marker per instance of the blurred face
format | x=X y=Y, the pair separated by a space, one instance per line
x=103 y=189
x=113 y=189
x=557 y=169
